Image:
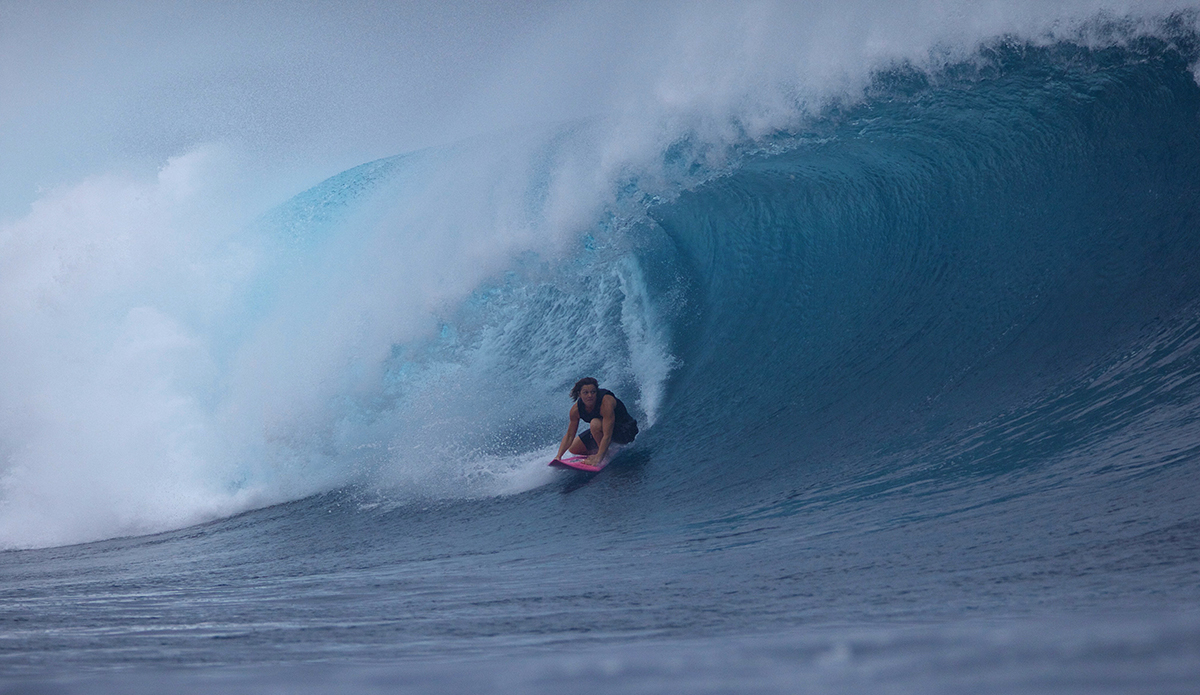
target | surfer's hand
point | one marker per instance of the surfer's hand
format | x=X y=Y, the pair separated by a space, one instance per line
x=593 y=460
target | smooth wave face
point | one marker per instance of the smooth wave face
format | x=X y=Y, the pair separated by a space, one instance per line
x=945 y=255
x=917 y=377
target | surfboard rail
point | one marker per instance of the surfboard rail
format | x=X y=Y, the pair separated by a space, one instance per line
x=577 y=463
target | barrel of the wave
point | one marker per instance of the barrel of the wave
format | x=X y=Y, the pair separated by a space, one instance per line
x=610 y=426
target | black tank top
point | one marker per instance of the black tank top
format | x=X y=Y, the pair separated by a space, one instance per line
x=620 y=413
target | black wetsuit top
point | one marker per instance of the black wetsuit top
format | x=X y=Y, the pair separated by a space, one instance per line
x=624 y=429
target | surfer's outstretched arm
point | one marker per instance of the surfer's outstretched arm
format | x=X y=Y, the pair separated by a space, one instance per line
x=572 y=427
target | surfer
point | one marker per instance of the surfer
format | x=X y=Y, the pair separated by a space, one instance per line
x=608 y=421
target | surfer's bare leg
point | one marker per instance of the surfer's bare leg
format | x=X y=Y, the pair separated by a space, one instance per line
x=579 y=448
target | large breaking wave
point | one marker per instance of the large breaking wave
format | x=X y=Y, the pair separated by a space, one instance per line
x=936 y=265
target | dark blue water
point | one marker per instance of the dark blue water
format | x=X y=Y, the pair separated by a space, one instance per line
x=928 y=421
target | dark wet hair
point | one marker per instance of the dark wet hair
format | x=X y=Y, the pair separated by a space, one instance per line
x=580 y=384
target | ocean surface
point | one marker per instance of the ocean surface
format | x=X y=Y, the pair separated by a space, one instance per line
x=917 y=373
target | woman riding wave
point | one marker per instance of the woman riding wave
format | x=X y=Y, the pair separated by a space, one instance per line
x=608 y=421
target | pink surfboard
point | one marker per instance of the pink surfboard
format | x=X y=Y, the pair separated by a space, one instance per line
x=577 y=462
